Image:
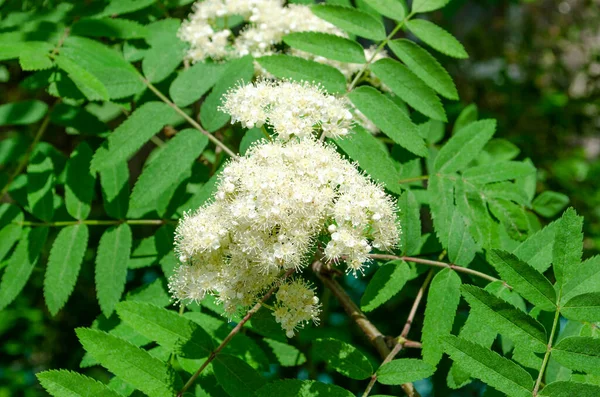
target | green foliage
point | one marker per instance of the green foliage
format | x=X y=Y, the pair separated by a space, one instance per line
x=327 y=45
x=67 y=383
x=351 y=20
x=404 y=370
x=386 y=282
x=342 y=357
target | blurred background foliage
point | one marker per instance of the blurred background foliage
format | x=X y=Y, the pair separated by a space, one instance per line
x=534 y=66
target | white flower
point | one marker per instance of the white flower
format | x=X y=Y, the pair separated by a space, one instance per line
x=292 y=109
x=296 y=305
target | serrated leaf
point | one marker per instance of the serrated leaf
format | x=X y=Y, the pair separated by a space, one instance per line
x=437 y=38
x=394 y=9
x=64 y=263
x=145 y=122
x=166 y=50
x=461 y=246
x=389 y=118
x=496 y=172
x=22 y=113
x=166 y=327
x=570 y=389
x=579 y=354
x=404 y=370
x=72 y=384
x=342 y=357
x=21 y=264
x=119 y=7
x=111 y=266
x=237 y=71
x=287 y=355
x=132 y=364
x=525 y=280
x=79 y=186
x=11 y=218
x=512 y=216
x=482 y=363
x=191 y=84
x=548 y=204
x=33 y=60
x=327 y=45
x=506 y=319
x=410 y=219
x=300 y=69
x=235 y=376
x=409 y=88
x=351 y=20
x=86 y=82
x=475 y=214
x=114 y=182
x=173 y=160
x=467 y=116
x=463 y=147
x=584 y=307
x=585 y=280
x=441 y=190
x=301 y=388
x=425 y=66
x=442 y=302
x=419 y=6
x=40 y=186
x=109 y=27
x=364 y=148
x=568 y=246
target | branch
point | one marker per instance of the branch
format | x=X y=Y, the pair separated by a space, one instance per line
x=233 y=332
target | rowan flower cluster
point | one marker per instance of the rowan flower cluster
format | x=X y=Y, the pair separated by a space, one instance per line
x=267 y=22
x=292 y=109
x=272 y=205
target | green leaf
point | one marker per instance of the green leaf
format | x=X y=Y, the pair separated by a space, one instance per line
x=442 y=302
x=327 y=45
x=441 y=191
x=35 y=60
x=301 y=388
x=72 y=384
x=568 y=246
x=570 y=389
x=23 y=112
x=404 y=370
x=40 y=186
x=237 y=71
x=585 y=280
x=467 y=116
x=166 y=50
x=109 y=27
x=525 y=280
x=21 y=264
x=389 y=118
x=114 y=182
x=409 y=88
x=387 y=282
x=512 y=216
x=394 y=9
x=496 y=172
x=464 y=147
x=79 y=186
x=410 y=219
x=482 y=363
x=235 y=376
x=64 y=263
x=584 y=307
x=145 y=122
x=342 y=357
x=548 y=204
x=287 y=355
x=119 y=7
x=578 y=353
x=134 y=365
x=191 y=84
x=251 y=137
x=11 y=218
x=437 y=38
x=461 y=246
x=299 y=69
x=428 y=5
x=111 y=266
x=86 y=82
x=424 y=65
x=366 y=150
x=475 y=214
x=351 y=20
x=173 y=160
x=166 y=327
x=506 y=319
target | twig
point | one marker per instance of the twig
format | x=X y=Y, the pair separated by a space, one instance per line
x=233 y=332
x=538 y=382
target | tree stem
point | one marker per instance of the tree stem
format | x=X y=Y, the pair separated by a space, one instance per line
x=538 y=382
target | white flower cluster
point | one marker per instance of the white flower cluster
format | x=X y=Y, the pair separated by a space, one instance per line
x=269 y=209
x=268 y=21
x=296 y=305
x=292 y=109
